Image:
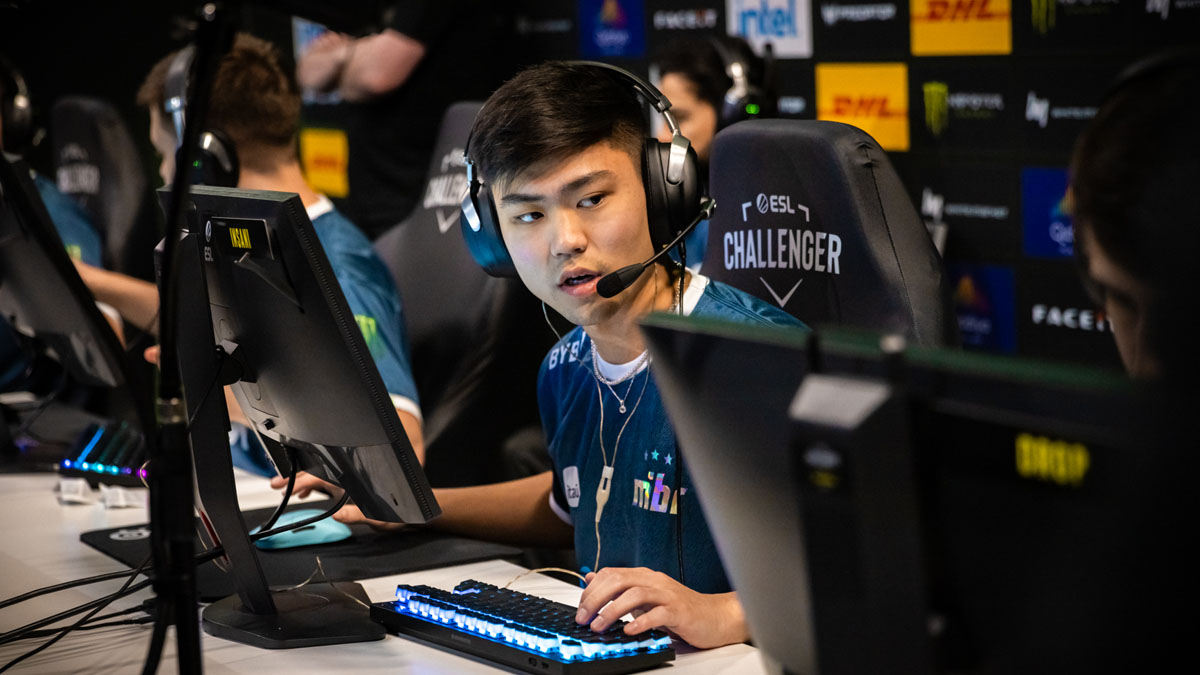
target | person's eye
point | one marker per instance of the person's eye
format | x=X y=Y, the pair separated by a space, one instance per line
x=591 y=201
x=529 y=217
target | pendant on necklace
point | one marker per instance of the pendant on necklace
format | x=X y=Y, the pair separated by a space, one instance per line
x=622 y=408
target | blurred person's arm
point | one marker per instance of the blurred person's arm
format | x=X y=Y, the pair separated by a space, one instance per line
x=134 y=299
x=359 y=69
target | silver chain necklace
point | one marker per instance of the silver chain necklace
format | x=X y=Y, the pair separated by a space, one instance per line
x=633 y=370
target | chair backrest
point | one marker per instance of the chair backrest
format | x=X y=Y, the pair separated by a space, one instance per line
x=97 y=163
x=812 y=217
x=476 y=341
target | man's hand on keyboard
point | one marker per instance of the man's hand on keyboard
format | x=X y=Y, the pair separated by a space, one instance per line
x=348 y=514
x=658 y=601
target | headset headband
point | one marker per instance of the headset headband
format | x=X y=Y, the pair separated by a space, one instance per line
x=175 y=89
x=649 y=93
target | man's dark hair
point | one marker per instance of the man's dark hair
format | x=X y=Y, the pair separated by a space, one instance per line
x=1134 y=174
x=698 y=61
x=1135 y=167
x=551 y=111
x=254 y=101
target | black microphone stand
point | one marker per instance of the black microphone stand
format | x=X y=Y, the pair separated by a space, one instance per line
x=171 y=474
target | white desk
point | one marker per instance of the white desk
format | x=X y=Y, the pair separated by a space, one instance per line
x=40 y=546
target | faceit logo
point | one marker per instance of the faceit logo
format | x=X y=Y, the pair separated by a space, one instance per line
x=1070 y=317
x=685 y=19
x=445 y=191
x=940 y=102
x=785 y=248
x=951 y=27
x=786 y=24
x=1039 y=110
x=833 y=13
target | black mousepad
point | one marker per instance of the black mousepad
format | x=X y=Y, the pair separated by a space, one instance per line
x=366 y=554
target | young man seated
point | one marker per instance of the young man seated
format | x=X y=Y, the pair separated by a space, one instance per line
x=559 y=150
x=257 y=107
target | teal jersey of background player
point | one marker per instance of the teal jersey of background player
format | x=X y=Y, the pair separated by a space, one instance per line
x=638 y=524
x=373 y=299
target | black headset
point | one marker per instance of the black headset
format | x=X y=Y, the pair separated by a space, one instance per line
x=16 y=109
x=674 y=199
x=215 y=161
x=744 y=100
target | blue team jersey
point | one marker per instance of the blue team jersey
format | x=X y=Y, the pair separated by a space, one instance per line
x=81 y=241
x=75 y=228
x=375 y=302
x=637 y=527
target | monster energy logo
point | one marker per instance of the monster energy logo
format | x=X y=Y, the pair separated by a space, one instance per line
x=937 y=106
x=1043 y=15
x=369 y=328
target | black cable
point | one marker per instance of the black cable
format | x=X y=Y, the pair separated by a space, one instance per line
x=158 y=638
x=287 y=492
x=70 y=584
x=124 y=590
x=90 y=625
x=16 y=634
x=207 y=390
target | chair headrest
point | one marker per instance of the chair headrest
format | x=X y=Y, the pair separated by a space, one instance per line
x=97 y=164
x=426 y=252
x=812 y=217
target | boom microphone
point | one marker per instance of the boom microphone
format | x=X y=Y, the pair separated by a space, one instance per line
x=614 y=282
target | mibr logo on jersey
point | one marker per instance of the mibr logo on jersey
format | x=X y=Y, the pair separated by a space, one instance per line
x=786 y=24
x=941 y=104
x=870 y=96
x=797 y=247
x=949 y=27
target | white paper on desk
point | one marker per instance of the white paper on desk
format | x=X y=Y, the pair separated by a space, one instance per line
x=117 y=497
x=74 y=491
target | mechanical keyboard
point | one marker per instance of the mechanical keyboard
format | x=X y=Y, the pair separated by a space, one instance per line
x=110 y=453
x=518 y=630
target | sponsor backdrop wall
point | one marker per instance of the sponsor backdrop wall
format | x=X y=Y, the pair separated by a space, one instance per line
x=977 y=101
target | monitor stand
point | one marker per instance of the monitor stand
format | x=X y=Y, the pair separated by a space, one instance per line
x=314 y=614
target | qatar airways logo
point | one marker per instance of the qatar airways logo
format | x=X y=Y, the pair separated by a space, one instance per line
x=797 y=247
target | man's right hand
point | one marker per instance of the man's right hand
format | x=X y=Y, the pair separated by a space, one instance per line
x=348 y=514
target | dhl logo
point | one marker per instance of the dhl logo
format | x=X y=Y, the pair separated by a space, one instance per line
x=239 y=237
x=871 y=96
x=949 y=27
x=1044 y=459
x=961 y=10
x=863 y=106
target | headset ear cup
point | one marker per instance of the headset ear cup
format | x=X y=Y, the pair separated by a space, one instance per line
x=654 y=178
x=480 y=227
x=215 y=161
x=670 y=207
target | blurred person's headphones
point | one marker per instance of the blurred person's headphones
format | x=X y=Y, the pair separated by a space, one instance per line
x=16 y=109
x=674 y=198
x=744 y=100
x=215 y=161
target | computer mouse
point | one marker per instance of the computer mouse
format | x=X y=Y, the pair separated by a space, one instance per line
x=324 y=531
